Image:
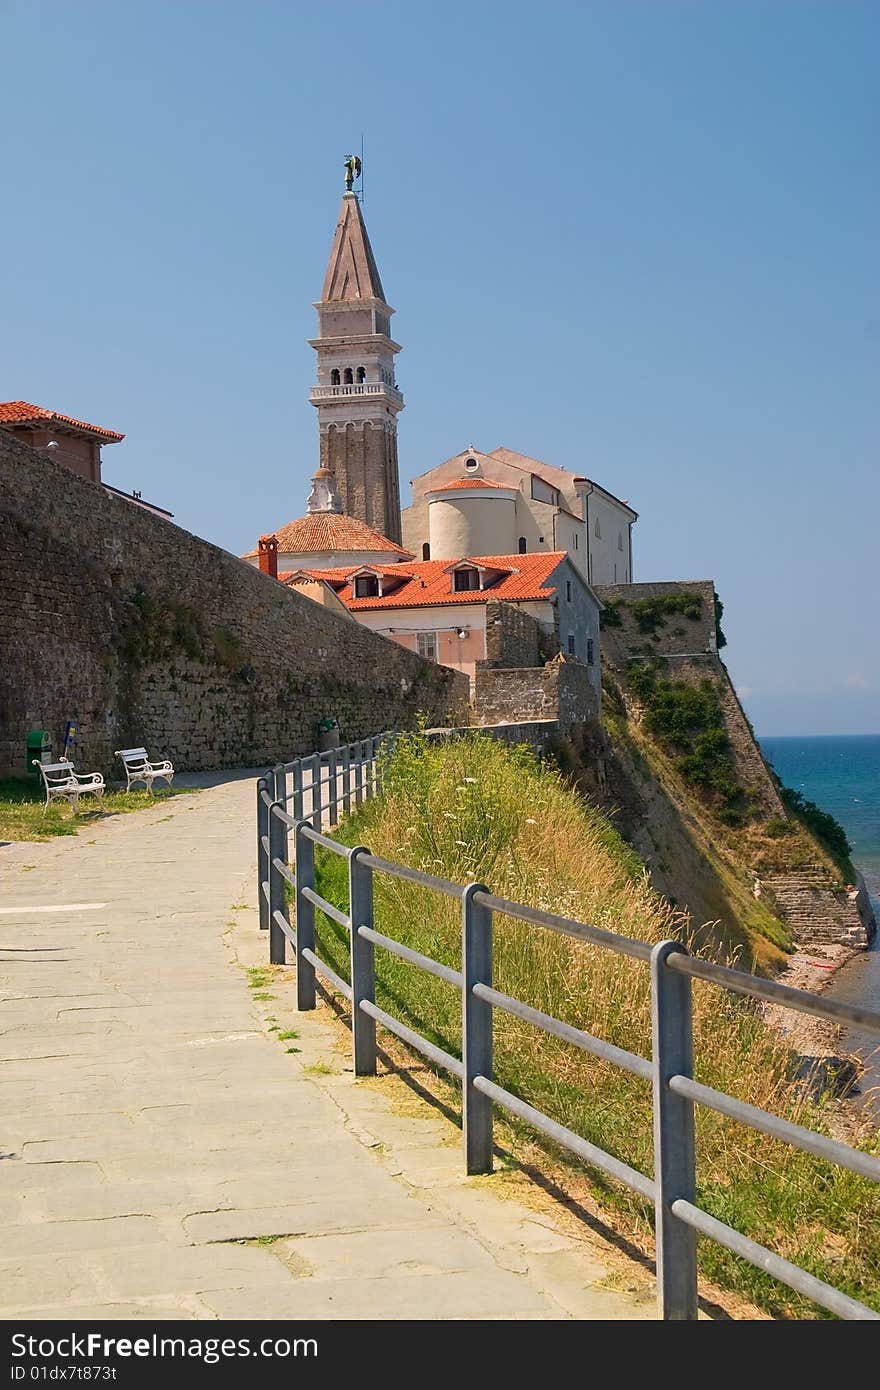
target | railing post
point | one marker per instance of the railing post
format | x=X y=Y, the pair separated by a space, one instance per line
x=305 y=917
x=317 y=794
x=363 y=973
x=674 y=1148
x=332 y=789
x=277 y=897
x=359 y=775
x=476 y=1029
x=298 y=790
x=346 y=779
x=262 y=857
x=280 y=785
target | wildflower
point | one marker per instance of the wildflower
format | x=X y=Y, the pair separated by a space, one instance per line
x=472 y=780
x=530 y=821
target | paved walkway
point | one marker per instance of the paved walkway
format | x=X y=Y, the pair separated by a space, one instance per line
x=163 y=1154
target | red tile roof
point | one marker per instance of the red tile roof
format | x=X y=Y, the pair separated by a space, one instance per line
x=22 y=413
x=322 y=532
x=429 y=582
x=472 y=482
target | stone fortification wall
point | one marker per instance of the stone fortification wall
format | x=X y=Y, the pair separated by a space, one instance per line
x=144 y=634
x=513 y=637
x=561 y=691
x=643 y=617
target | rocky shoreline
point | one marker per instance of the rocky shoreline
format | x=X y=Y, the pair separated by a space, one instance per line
x=823 y=1065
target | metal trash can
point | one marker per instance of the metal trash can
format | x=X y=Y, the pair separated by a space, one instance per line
x=328 y=734
x=39 y=746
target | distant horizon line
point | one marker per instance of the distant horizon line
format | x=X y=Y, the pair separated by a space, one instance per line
x=760 y=736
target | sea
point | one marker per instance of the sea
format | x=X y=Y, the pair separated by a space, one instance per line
x=842 y=775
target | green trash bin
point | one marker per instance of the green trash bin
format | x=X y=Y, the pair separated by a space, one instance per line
x=39 y=746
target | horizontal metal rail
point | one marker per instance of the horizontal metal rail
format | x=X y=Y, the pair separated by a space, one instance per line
x=324 y=969
x=628 y=1061
x=281 y=921
x=324 y=840
x=327 y=908
x=792 y=1275
x=856 y=1160
x=284 y=871
x=580 y=931
x=428 y=1049
x=582 y=1147
x=433 y=967
x=353 y=775
x=440 y=885
x=834 y=1010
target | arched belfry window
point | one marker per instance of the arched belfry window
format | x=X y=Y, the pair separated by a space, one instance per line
x=361 y=375
x=426 y=551
x=523 y=545
x=347 y=377
x=334 y=377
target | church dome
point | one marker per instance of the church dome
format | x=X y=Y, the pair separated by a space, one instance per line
x=324 y=540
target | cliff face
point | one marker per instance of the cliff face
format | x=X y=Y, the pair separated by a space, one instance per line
x=679 y=769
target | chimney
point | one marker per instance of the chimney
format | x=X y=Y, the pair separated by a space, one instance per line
x=269 y=556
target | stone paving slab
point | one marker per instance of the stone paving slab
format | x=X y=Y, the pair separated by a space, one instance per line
x=163 y=1155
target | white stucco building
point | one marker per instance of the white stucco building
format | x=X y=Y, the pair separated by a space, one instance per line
x=507 y=503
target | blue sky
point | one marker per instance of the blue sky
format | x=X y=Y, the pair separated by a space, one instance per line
x=636 y=238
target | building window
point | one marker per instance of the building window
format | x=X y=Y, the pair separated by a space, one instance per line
x=465 y=579
x=362 y=375
x=577 y=541
x=568 y=591
x=347 y=377
x=571 y=644
x=620 y=540
x=366 y=586
x=597 y=532
x=472 y=465
x=589 y=651
x=426 y=551
x=523 y=545
x=426 y=643
x=334 y=377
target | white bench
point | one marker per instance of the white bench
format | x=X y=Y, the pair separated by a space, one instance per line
x=61 y=779
x=138 y=768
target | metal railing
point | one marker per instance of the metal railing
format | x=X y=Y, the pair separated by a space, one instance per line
x=350 y=776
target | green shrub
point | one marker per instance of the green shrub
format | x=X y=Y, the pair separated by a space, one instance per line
x=689 y=721
x=777 y=827
x=651 y=613
x=828 y=831
x=610 y=615
x=720 y=639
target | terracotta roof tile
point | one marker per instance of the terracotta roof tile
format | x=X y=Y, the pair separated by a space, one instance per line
x=323 y=532
x=428 y=582
x=22 y=413
x=472 y=482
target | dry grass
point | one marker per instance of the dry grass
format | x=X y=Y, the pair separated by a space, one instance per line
x=22 y=816
x=474 y=811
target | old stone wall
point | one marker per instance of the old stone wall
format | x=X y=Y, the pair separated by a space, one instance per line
x=144 y=634
x=674 y=633
x=561 y=691
x=513 y=637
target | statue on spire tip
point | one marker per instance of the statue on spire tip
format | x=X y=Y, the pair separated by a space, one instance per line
x=352 y=171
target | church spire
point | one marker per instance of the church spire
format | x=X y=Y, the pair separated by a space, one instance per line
x=351 y=271
x=356 y=395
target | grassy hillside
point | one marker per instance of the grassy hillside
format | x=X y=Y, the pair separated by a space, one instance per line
x=473 y=810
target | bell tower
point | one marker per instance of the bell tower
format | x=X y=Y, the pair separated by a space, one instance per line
x=356 y=395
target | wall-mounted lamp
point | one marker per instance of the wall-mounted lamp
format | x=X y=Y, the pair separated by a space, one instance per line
x=461 y=631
